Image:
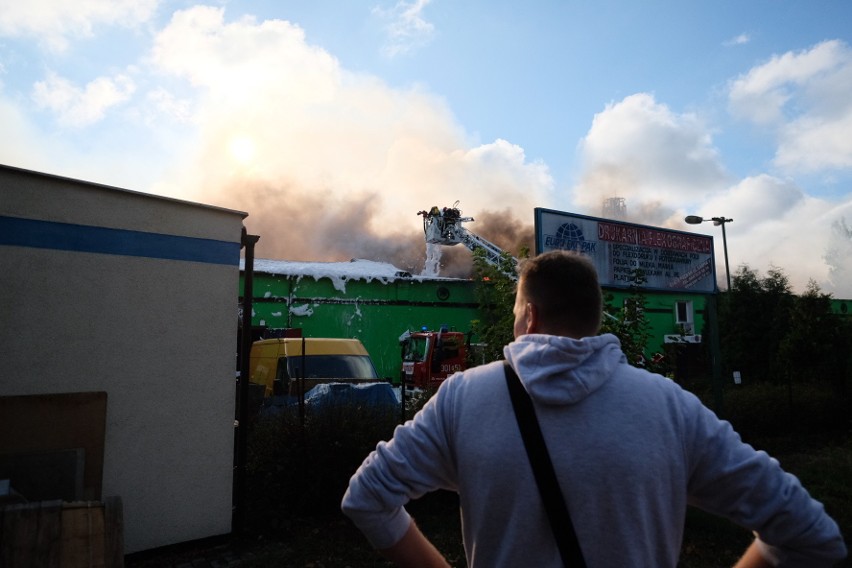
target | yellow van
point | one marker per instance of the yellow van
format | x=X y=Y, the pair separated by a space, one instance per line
x=284 y=368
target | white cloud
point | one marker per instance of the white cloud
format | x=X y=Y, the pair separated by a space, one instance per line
x=340 y=162
x=168 y=104
x=775 y=224
x=805 y=97
x=406 y=28
x=77 y=106
x=760 y=94
x=53 y=22
x=740 y=39
x=657 y=159
x=755 y=200
x=839 y=255
x=234 y=61
x=665 y=166
x=819 y=139
x=24 y=145
x=19 y=137
x=332 y=164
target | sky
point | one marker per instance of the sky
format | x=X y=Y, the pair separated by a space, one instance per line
x=332 y=123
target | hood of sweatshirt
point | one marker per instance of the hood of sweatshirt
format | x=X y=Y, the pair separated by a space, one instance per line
x=560 y=370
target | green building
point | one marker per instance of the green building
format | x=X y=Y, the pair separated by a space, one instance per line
x=673 y=317
x=371 y=301
x=841 y=307
x=677 y=323
x=376 y=303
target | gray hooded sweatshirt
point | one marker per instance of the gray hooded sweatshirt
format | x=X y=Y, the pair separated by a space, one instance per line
x=631 y=450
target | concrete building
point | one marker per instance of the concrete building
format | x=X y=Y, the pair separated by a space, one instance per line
x=117 y=341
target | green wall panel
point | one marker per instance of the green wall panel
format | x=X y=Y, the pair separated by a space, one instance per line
x=377 y=312
x=660 y=312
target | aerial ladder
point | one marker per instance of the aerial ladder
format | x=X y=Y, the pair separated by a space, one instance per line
x=444 y=226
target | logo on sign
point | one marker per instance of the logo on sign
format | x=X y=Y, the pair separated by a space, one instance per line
x=570 y=237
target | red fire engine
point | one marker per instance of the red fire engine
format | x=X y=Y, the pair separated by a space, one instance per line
x=429 y=357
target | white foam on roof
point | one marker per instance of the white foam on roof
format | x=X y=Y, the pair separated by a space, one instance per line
x=354 y=269
x=338 y=272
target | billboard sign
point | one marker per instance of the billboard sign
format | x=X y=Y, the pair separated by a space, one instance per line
x=671 y=260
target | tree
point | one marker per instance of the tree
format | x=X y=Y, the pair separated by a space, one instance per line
x=778 y=306
x=495 y=293
x=739 y=319
x=754 y=317
x=629 y=322
x=814 y=348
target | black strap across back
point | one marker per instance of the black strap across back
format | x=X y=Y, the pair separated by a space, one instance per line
x=545 y=476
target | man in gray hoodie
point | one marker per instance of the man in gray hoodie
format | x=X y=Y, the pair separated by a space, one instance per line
x=631 y=450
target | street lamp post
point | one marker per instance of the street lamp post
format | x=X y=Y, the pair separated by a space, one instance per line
x=696 y=220
x=712 y=312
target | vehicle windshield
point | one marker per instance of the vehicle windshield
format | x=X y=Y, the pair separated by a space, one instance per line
x=416 y=349
x=332 y=367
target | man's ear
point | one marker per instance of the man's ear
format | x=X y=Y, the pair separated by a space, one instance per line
x=532 y=318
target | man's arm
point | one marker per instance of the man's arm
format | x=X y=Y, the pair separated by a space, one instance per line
x=416 y=461
x=731 y=479
x=753 y=558
x=415 y=551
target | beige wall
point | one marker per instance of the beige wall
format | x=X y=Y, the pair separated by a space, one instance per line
x=158 y=335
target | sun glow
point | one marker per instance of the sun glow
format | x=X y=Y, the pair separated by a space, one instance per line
x=242 y=149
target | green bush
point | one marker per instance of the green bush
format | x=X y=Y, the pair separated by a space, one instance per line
x=414 y=402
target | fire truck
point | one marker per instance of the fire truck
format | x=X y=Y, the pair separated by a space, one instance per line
x=445 y=226
x=429 y=357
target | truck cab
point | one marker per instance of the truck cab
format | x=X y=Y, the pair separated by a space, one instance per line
x=293 y=366
x=429 y=357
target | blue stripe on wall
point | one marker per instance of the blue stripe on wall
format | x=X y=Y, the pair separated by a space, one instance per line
x=15 y=231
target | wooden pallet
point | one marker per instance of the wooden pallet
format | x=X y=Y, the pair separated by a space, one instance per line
x=57 y=534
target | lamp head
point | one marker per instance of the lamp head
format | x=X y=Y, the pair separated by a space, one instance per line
x=694 y=219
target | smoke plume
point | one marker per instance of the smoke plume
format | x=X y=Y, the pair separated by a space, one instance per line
x=320 y=225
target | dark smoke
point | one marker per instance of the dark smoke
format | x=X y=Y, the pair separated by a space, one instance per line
x=505 y=230
x=323 y=226
x=500 y=228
